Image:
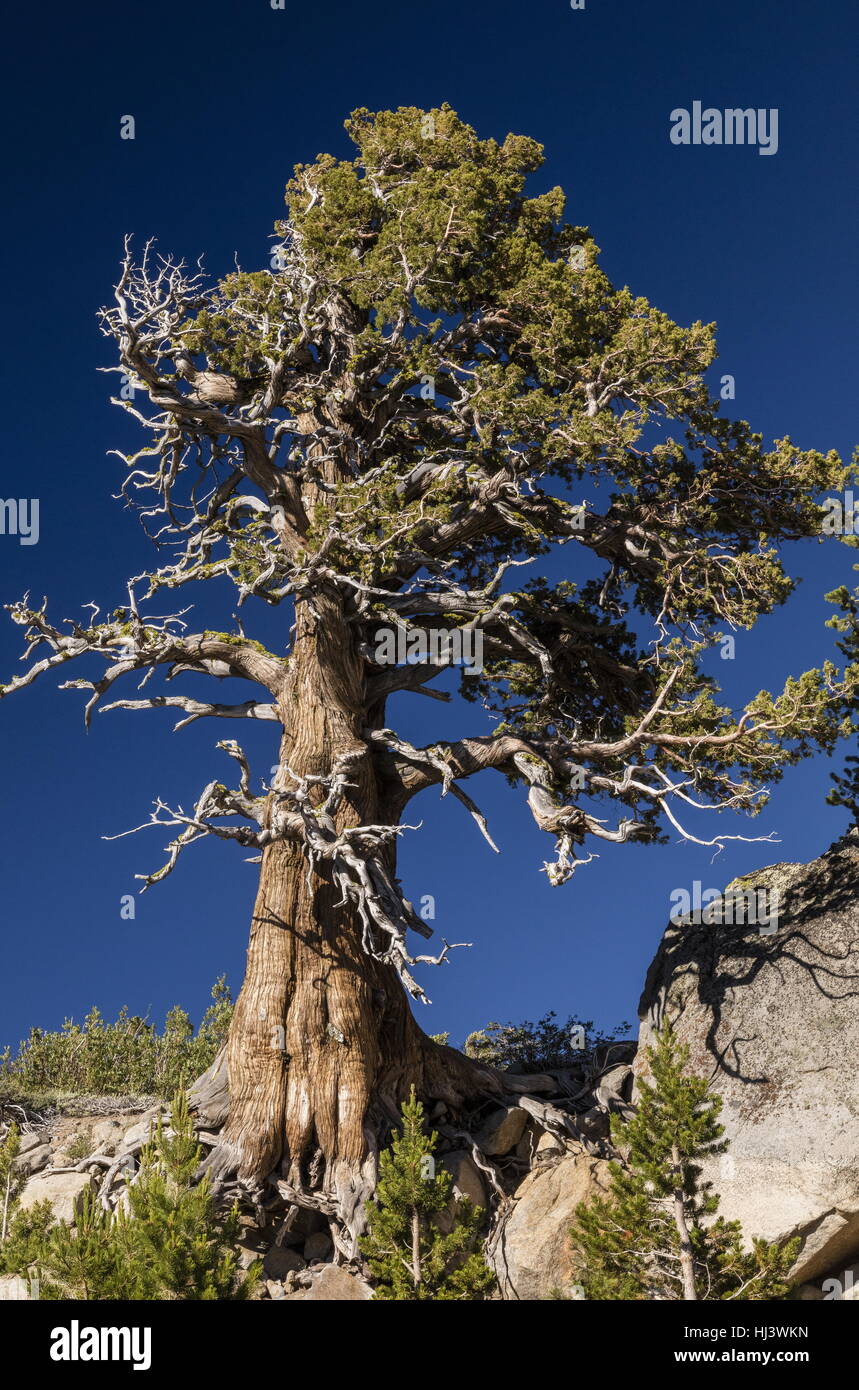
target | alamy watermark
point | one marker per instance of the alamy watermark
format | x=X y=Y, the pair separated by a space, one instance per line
x=20 y=1289
x=76 y=1343
x=20 y=518
x=456 y=646
x=838 y=1289
x=733 y=126
x=734 y=907
x=841 y=516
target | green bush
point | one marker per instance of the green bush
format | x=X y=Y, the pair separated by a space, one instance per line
x=530 y=1047
x=171 y=1242
x=655 y=1235
x=80 y=1147
x=127 y=1057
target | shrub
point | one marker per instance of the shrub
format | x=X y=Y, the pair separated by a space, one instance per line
x=654 y=1237
x=528 y=1047
x=126 y=1057
x=171 y=1242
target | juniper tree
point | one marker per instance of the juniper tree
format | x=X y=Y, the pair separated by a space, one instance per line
x=430 y=388
x=656 y=1236
x=410 y=1257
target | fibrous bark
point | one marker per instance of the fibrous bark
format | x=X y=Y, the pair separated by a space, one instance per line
x=323 y=1047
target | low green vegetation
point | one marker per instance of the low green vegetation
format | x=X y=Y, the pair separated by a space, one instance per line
x=165 y=1240
x=544 y=1045
x=127 y=1057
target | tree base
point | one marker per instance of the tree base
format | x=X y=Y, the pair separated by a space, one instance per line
x=337 y=1184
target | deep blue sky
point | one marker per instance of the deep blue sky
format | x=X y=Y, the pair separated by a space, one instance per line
x=227 y=97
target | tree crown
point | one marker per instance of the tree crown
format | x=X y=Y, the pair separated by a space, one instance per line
x=432 y=386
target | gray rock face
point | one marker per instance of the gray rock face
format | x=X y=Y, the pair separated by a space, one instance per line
x=253 y=1242
x=36 y=1158
x=143 y=1129
x=335 y=1285
x=280 y=1260
x=773 y=1017
x=531 y=1252
x=467 y=1182
x=317 y=1246
x=467 y=1177
x=34 y=1140
x=503 y=1130
x=65 y=1190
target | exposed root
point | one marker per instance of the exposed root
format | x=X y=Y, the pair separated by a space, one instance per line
x=209 y=1097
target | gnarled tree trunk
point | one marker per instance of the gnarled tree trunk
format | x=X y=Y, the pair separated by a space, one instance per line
x=323 y=1046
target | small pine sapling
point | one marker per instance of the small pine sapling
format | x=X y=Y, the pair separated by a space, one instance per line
x=654 y=1236
x=409 y=1255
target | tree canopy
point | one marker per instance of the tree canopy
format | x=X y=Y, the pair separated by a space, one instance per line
x=431 y=387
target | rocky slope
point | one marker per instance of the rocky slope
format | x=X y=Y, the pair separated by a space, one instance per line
x=772 y=1016
x=551 y=1123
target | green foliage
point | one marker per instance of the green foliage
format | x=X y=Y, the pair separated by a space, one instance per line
x=444 y=269
x=546 y=1044
x=845 y=791
x=27 y=1233
x=409 y=1256
x=127 y=1057
x=444 y=379
x=629 y=1242
x=10 y=1181
x=170 y=1242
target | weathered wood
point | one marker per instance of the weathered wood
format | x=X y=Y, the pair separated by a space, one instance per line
x=209 y=1097
x=323 y=1047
